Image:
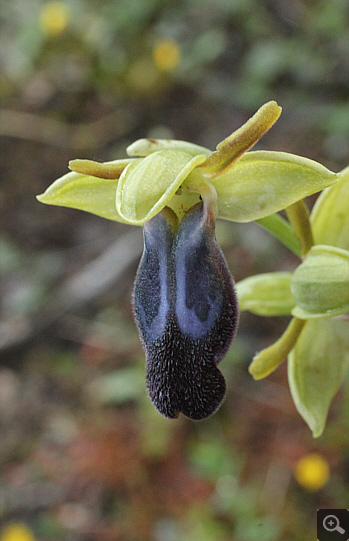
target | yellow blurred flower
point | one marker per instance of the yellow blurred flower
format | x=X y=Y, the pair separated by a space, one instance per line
x=16 y=532
x=166 y=54
x=54 y=18
x=312 y=472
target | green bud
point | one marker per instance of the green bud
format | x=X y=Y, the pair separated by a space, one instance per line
x=320 y=285
x=316 y=367
x=266 y=294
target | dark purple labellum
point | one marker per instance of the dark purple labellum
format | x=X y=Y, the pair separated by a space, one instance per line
x=186 y=311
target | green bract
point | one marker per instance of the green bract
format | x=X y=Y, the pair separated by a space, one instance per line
x=249 y=186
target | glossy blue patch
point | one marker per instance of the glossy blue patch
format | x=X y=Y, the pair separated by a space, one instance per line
x=199 y=293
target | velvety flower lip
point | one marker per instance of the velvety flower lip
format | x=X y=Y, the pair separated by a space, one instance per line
x=186 y=312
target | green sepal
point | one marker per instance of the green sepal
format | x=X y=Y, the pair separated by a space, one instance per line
x=144 y=147
x=320 y=285
x=266 y=294
x=147 y=186
x=330 y=214
x=316 y=367
x=84 y=192
x=262 y=183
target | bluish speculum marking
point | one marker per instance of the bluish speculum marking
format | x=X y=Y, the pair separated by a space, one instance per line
x=198 y=288
x=186 y=311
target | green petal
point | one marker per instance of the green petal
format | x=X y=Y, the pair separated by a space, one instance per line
x=320 y=285
x=316 y=367
x=262 y=183
x=266 y=294
x=110 y=170
x=84 y=192
x=330 y=215
x=147 y=186
x=267 y=360
x=144 y=147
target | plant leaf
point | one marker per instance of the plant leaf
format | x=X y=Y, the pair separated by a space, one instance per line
x=316 y=367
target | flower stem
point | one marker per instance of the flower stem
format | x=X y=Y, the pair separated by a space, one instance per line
x=298 y=215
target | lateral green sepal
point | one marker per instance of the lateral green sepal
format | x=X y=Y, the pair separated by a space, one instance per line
x=262 y=183
x=84 y=192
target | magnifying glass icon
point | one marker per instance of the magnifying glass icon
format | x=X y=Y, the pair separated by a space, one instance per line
x=331 y=524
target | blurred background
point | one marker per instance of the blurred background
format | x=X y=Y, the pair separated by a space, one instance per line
x=83 y=454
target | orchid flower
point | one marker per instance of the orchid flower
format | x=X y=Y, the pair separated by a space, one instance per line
x=184 y=300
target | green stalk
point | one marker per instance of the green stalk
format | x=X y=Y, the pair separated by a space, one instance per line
x=282 y=230
x=298 y=215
